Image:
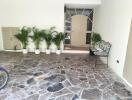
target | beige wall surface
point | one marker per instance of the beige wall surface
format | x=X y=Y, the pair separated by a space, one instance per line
x=127 y=73
x=79 y=28
x=9 y=40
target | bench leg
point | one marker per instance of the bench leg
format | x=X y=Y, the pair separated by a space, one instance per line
x=95 y=61
x=107 y=61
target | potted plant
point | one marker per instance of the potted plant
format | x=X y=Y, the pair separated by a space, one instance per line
x=95 y=37
x=48 y=40
x=22 y=36
x=36 y=39
x=57 y=40
x=47 y=35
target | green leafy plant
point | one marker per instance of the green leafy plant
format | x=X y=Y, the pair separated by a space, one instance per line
x=22 y=36
x=57 y=39
x=95 y=37
x=47 y=35
x=37 y=37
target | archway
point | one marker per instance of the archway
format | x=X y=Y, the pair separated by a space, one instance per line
x=69 y=13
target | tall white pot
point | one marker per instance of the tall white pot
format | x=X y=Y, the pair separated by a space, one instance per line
x=24 y=51
x=58 y=52
x=37 y=51
x=48 y=51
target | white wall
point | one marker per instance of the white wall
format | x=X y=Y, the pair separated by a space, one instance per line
x=40 y=13
x=83 y=1
x=112 y=21
x=43 y=13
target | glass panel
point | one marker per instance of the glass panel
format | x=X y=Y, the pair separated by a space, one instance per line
x=88 y=38
x=79 y=11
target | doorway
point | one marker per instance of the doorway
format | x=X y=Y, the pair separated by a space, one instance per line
x=78 y=28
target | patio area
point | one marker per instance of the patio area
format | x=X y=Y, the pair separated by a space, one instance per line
x=60 y=77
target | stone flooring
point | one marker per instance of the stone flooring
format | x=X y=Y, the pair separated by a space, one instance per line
x=60 y=77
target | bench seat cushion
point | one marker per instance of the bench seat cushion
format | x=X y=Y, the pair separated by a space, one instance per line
x=98 y=53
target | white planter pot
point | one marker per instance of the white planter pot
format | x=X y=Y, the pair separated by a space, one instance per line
x=47 y=51
x=24 y=51
x=58 y=52
x=37 y=51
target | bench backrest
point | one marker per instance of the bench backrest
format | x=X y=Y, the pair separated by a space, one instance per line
x=105 y=46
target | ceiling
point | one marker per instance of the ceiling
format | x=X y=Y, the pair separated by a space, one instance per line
x=81 y=5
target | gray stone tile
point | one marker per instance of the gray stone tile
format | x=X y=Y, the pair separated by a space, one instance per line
x=91 y=94
x=33 y=97
x=31 y=75
x=65 y=97
x=62 y=92
x=55 y=87
x=74 y=81
x=45 y=96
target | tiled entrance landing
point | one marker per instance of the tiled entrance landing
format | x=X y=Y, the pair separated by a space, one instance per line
x=60 y=77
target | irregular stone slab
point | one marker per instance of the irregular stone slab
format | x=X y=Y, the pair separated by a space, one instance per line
x=122 y=92
x=71 y=73
x=66 y=83
x=67 y=58
x=29 y=62
x=65 y=97
x=2 y=97
x=98 y=77
x=103 y=86
x=91 y=94
x=37 y=73
x=44 y=85
x=75 y=97
x=74 y=81
x=61 y=92
x=45 y=96
x=93 y=83
x=91 y=76
x=120 y=89
x=33 y=97
x=52 y=99
x=31 y=81
x=31 y=89
x=118 y=85
x=83 y=78
x=63 y=72
x=56 y=78
x=21 y=86
x=55 y=87
x=109 y=95
x=42 y=91
x=84 y=85
x=75 y=89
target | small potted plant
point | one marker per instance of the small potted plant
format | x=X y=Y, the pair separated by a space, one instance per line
x=22 y=36
x=48 y=40
x=95 y=37
x=36 y=39
x=47 y=35
x=57 y=40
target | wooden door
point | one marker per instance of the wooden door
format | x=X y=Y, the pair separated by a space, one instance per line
x=79 y=29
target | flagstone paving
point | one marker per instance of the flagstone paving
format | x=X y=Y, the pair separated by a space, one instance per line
x=60 y=77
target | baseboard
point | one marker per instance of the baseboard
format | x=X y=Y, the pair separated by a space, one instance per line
x=64 y=51
x=126 y=82
x=75 y=51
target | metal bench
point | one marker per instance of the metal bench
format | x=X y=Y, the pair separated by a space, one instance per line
x=101 y=49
